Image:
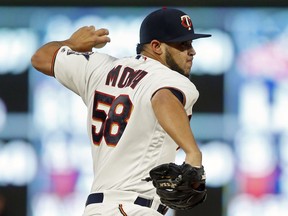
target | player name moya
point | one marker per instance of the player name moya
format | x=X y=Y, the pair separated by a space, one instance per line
x=128 y=78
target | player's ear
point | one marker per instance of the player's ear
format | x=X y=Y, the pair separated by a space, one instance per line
x=156 y=47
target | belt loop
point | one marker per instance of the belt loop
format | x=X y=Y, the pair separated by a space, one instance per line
x=143 y=202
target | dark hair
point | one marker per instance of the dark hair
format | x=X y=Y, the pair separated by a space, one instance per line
x=139 y=48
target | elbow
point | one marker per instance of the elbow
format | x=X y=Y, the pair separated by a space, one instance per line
x=35 y=61
x=40 y=63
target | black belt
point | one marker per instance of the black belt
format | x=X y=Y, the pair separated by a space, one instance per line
x=98 y=198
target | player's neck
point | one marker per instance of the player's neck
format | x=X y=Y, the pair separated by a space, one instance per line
x=154 y=56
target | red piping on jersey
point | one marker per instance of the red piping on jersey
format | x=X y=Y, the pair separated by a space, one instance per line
x=53 y=62
x=122 y=210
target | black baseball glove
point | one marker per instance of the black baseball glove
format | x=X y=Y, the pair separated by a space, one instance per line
x=179 y=187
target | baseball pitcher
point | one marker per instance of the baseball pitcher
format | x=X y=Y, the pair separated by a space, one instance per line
x=138 y=114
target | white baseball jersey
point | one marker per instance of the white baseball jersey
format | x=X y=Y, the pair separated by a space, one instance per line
x=126 y=138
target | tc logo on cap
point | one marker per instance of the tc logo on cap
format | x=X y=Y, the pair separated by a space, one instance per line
x=186 y=22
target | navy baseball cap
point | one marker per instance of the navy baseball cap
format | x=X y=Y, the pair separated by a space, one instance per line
x=168 y=25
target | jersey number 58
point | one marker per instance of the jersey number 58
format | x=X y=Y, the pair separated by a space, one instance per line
x=110 y=116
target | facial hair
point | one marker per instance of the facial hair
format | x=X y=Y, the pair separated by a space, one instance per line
x=172 y=64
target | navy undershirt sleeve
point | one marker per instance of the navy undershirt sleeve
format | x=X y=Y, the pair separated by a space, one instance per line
x=178 y=94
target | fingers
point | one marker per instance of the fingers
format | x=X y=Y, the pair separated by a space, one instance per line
x=99 y=32
x=102 y=32
x=87 y=37
x=102 y=38
x=100 y=35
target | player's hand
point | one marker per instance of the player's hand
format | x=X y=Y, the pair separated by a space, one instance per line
x=85 y=38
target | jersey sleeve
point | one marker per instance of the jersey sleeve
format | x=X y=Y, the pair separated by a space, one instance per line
x=73 y=69
x=181 y=87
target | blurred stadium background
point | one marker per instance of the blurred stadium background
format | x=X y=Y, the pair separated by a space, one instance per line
x=240 y=120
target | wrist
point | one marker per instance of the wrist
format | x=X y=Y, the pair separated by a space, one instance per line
x=194 y=159
x=66 y=43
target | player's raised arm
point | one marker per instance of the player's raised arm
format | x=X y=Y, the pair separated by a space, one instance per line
x=83 y=40
x=172 y=117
